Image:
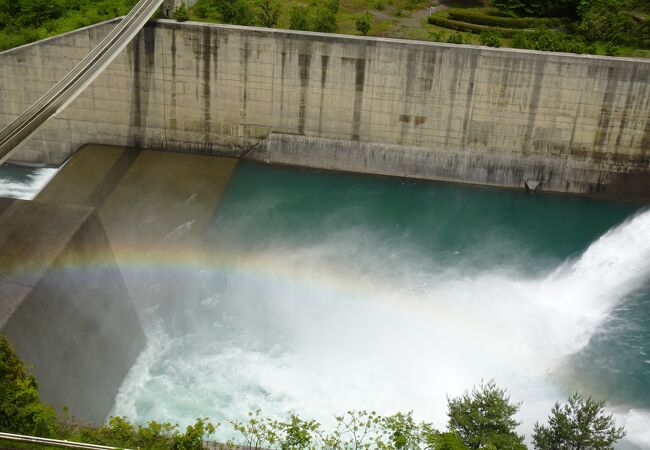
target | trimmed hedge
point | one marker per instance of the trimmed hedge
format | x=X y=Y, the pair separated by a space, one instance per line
x=477 y=18
x=468 y=27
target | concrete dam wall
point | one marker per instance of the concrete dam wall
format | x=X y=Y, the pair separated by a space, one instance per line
x=578 y=124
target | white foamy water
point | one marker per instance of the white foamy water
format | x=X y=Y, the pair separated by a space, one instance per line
x=293 y=329
x=28 y=187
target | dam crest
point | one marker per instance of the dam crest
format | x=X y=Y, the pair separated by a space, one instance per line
x=577 y=124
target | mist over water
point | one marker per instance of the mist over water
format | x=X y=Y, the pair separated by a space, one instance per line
x=332 y=292
x=318 y=293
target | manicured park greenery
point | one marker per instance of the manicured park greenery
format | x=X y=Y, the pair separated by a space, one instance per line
x=612 y=27
x=483 y=418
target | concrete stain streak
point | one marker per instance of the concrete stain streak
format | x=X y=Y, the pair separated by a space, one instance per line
x=533 y=106
x=304 y=64
x=420 y=107
x=359 y=81
x=207 y=79
x=324 y=61
x=606 y=108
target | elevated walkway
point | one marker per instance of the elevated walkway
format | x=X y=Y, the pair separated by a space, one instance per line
x=73 y=84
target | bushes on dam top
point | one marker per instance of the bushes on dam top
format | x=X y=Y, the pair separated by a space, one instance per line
x=480 y=419
x=24 y=21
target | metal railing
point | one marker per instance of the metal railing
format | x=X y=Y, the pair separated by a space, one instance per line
x=55 y=442
x=74 y=83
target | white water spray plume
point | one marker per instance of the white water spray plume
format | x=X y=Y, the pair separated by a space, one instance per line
x=343 y=325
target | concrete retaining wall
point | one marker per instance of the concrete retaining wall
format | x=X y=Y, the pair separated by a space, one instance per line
x=580 y=124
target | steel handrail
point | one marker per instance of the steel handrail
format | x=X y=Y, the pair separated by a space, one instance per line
x=56 y=442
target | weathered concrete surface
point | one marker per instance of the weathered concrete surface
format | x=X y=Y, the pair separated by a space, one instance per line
x=474 y=114
x=98 y=239
x=153 y=205
x=64 y=304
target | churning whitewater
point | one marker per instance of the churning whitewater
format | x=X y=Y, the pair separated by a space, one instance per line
x=357 y=321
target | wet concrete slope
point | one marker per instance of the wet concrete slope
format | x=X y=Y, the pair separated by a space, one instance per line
x=75 y=261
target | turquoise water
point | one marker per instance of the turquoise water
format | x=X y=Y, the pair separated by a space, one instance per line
x=335 y=291
x=329 y=292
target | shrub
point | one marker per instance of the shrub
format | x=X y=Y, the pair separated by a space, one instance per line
x=605 y=20
x=504 y=22
x=522 y=40
x=332 y=5
x=455 y=38
x=180 y=13
x=363 y=23
x=491 y=38
x=324 y=20
x=611 y=49
x=268 y=12
x=201 y=10
x=438 y=36
x=578 y=424
x=484 y=418
x=236 y=12
x=466 y=27
x=538 y=8
x=546 y=40
x=21 y=410
x=299 y=18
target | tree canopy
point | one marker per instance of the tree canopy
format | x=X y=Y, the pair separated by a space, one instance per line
x=578 y=424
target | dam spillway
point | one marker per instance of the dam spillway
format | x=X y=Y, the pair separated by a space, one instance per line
x=498 y=117
x=288 y=289
x=268 y=287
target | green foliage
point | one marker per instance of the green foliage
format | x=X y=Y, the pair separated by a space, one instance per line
x=508 y=7
x=547 y=40
x=180 y=13
x=333 y=5
x=537 y=8
x=491 y=37
x=201 y=10
x=611 y=49
x=578 y=424
x=297 y=434
x=235 y=12
x=479 y=18
x=605 y=20
x=455 y=38
x=354 y=430
x=449 y=440
x=23 y=21
x=257 y=432
x=363 y=23
x=268 y=12
x=324 y=20
x=194 y=436
x=466 y=27
x=400 y=431
x=321 y=18
x=522 y=40
x=484 y=417
x=21 y=410
x=299 y=18
x=438 y=36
